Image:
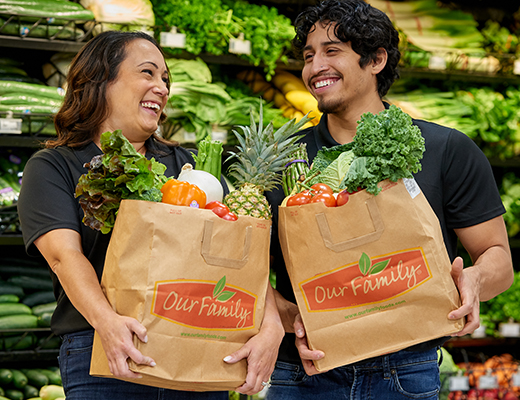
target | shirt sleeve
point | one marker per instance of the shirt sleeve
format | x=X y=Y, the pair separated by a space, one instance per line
x=47 y=198
x=471 y=191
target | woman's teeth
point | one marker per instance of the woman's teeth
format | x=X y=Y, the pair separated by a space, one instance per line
x=150 y=105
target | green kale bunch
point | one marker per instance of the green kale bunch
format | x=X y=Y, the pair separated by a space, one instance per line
x=386 y=146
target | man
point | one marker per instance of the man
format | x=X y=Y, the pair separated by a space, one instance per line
x=350 y=53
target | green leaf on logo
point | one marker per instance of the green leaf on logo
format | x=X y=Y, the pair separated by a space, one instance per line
x=219 y=287
x=364 y=263
x=378 y=267
x=225 y=296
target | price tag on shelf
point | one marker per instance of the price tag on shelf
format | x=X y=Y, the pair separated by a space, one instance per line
x=146 y=30
x=516 y=68
x=240 y=46
x=457 y=383
x=437 y=63
x=488 y=381
x=173 y=39
x=11 y=125
x=190 y=137
x=219 y=134
x=509 y=329
x=480 y=332
x=515 y=379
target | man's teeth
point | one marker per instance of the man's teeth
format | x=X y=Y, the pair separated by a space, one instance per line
x=320 y=84
x=150 y=105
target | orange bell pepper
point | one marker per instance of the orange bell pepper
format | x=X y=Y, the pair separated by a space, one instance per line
x=181 y=193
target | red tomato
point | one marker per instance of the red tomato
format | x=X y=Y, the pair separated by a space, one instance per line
x=212 y=204
x=321 y=188
x=326 y=198
x=299 y=198
x=342 y=198
x=218 y=208
x=229 y=216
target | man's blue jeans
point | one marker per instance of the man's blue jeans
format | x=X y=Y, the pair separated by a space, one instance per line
x=396 y=376
x=74 y=360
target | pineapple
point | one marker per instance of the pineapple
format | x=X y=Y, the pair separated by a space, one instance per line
x=262 y=153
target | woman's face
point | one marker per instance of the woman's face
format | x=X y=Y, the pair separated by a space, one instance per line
x=138 y=96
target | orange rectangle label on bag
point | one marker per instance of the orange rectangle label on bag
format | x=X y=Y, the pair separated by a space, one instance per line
x=204 y=304
x=367 y=281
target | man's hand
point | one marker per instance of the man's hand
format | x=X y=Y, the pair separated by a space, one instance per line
x=307 y=355
x=468 y=287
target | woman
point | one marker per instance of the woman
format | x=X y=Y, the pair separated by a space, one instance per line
x=119 y=80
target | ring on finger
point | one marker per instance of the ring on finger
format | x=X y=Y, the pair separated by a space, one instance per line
x=266 y=384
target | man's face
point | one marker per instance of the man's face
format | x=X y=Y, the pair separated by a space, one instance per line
x=332 y=73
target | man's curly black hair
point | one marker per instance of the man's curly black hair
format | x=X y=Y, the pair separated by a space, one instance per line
x=354 y=21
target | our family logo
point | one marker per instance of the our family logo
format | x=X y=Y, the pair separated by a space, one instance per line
x=204 y=304
x=366 y=281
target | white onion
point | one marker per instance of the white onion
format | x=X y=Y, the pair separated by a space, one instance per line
x=204 y=180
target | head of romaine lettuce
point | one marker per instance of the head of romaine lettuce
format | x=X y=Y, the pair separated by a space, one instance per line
x=119 y=173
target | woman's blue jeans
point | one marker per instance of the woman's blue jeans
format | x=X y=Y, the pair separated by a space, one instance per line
x=402 y=375
x=74 y=360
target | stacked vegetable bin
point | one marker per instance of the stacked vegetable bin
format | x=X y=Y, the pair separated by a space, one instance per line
x=459 y=68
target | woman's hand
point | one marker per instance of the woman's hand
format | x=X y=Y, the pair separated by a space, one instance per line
x=307 y=355
x=63 y=252
x=117 y=340
x=261 y=350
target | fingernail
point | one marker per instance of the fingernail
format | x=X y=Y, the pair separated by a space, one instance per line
x=145 y=339
x=299 y=332
x=321 y=355
x=228 y=358
x=153 y=364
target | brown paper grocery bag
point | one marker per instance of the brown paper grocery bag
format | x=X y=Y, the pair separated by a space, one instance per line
x=370 y=277
x=196 y=282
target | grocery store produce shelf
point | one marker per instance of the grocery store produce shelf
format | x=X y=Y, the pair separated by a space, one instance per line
x=40 y=44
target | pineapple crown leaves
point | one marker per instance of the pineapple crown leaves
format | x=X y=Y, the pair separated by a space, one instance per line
x=263 y=152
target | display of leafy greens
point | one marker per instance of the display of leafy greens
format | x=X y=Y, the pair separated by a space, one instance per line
x=210 y=24
x=120 y=173
x=386 y=146
x=195 y=103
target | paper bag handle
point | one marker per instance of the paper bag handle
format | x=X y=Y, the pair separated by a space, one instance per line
x=224 y=261
x=379 y=227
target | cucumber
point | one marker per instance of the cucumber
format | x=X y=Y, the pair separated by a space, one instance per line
x=62 y=10
x=19 y=379
x=9 y=288
x=18 y=342
x=6 y=376
x=54 y=378
x=35 y=377
x=44 y=308
x=26 y=270
x=14 y=394
x=9 y=298
x=22 y=99
x=30 y=391
x=31 y=88
x=40 y=297
x=14 y=309
x=44 y=320
x=53 y=342
x=31 y=282
x=18 y=322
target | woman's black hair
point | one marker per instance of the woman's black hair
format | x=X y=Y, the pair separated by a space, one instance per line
x=85 y=105
x=365 y=27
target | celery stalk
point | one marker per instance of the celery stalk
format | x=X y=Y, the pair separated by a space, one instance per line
x=209 y=157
